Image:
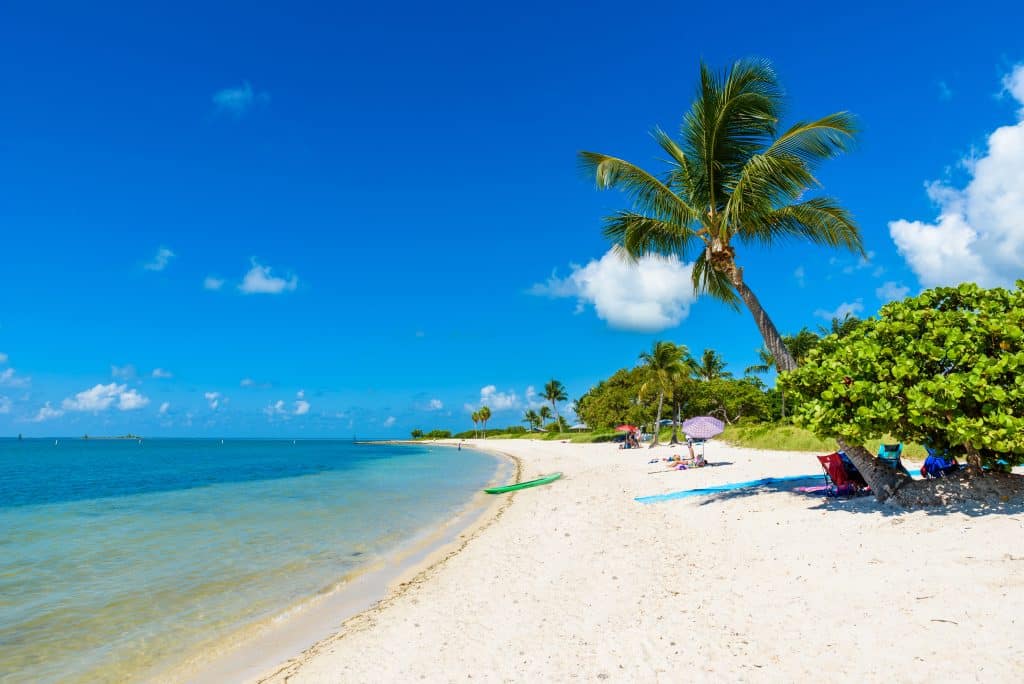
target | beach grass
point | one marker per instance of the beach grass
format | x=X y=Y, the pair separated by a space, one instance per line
x=787 y=437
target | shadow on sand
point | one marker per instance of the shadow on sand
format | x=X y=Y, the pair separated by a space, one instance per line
x=857 y=504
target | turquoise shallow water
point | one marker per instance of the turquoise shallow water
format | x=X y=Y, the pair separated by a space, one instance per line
x=118 y=557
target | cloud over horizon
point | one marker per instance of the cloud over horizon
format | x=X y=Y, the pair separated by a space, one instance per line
x=979 y=233
x=652 y=294
x=101 y=397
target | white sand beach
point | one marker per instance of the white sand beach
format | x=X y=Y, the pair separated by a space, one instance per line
x=576 y=580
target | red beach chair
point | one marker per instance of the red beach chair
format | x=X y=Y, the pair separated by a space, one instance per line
x=838 y=478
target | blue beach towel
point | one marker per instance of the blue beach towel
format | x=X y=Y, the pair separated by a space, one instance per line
x=687 y=493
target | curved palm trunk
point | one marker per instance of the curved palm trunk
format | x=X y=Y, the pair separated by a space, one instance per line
x=722 y=259
x=657 y=421
x=558 y=420
x=783 y=359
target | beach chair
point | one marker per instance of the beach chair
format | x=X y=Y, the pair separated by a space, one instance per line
x=939 y=463
x=839 y=480
x=890 y=454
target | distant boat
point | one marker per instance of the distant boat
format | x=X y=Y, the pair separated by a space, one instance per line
x=55 y=442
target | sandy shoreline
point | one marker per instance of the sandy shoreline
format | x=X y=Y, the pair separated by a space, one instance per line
x=577 y=580
x=250 y=652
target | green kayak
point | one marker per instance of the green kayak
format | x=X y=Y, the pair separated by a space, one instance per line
x=523 y=485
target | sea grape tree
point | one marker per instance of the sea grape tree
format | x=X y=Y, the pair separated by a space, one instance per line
x=945 y=368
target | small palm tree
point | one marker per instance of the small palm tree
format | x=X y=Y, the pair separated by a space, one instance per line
x=662 y=365
x=765 y=362
x=544 y=414
x=801 y=344
x=485 y=415
x=732 y=179
x=711 y=366
x=554 y=391
x=476 y=419
x=531 y=418
x=840 y=326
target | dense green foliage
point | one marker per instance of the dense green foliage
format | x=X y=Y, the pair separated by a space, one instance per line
x=615 y=400
x=433 y=434
x=943 y=368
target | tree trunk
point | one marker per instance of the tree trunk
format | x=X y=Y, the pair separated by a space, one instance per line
x=558 y=420
x=675 y=428
x=783 y=395
x=657 y=421
x=722 y=258
x=883 y=479
x=772 y=339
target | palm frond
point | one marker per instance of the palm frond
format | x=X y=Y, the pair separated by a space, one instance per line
x=649 y=194
x=638 y=235
x=819 y=220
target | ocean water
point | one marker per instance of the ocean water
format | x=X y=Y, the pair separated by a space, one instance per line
x=118 y=559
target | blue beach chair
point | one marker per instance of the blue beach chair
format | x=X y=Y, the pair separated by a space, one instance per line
x=939 y=463
x=890 y=454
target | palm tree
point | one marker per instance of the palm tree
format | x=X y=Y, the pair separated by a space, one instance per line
x=840 y=326
x=476 y=419
x=711 y=367
x=545 y=414
x=554 y=392
x=765 y=362
x=485 y=415
x=531 y=418
x=801 y=344
x=663 y=364
x=732 y=178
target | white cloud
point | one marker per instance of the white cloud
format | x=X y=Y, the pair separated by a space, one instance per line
x=46 y=412
x=891 y=290
x=653 y=294
x=435 y=405
x=389 y=421
x=131 y=400
x=102 y=397
x=164 y=408
x=238 y=101
x=9 y=377
x=301 y=405
x=247 y=382
x=123 y=372
x=212 y=283
x=260 y=281
x=498 y=401
x=945 y=92
x=534 y=400
x=276 y=409
x=800 y=276
x=3 y=357
x=852 y=308
x=5 y=405
x=161 y=373
x=160 y=261
x=979 y=233
x=213 y=399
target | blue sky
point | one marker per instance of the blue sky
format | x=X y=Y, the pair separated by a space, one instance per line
x=317 y=219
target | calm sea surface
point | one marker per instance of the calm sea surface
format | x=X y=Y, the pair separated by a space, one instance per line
x=118 y=557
